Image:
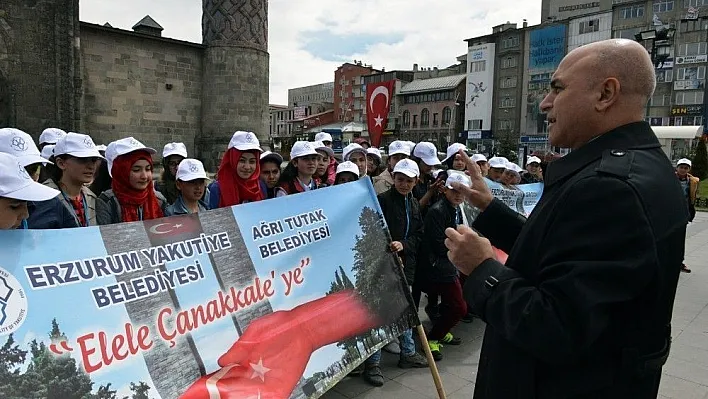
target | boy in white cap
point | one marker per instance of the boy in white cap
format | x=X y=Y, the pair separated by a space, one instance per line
x=428 y=188
x=357 y=154
x=324 y=174
x=482 y=162
x=689 y=185
x=347 y=171
x=326 y=139
x=497 y=166
x=436 y=269
x=397 y=151
x=533 y=173
x=402 y=214
x=21 y=145
x=50 y=135
x=172 y=156
x=77 y=159
x=191 y=184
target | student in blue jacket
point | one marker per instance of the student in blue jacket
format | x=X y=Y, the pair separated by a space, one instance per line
x=191 y=185
x=17 y=189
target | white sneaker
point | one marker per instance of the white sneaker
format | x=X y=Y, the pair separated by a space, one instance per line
x=393 y=347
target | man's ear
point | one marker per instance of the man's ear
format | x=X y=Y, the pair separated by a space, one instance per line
x=609 y=94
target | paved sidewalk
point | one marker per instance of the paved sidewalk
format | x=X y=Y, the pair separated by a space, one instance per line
x=685 y=374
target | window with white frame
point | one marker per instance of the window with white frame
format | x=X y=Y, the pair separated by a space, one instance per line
x=626 y=33
x=660 y=100
x=664 y=75
x=507 y=102
x=474 y=124
x=478 y=66
x=505 y=124
x=507 y=82
x=663 y=5
x=509 y=62
x=631 y=12
x=689 y=97
x=694 y=3
x=590 y=26
x=509 y=42
x=691 y=73
x=693 y=49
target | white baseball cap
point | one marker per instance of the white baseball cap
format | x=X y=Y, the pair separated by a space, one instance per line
x=684 y=161
x=174 y=149
x=122 y=147
x=408 y=167
x=102 y=147
x=190 y=169
x=437 y=172
x=459 y=178
x=399 y=147
x=374 y=152
x=77 y=145
x=245 y=141
x=20 y=145
x=348 y=166
x=272 y=155
x=17 y=184
x=352 y=148
x=51 y=135
x=427 y=152
x=533 y=159
x=322 y=136
x=319 y=146
x=498 y=162
x=453 y=149
x=479 y=158
x=47 y=151
x=302 y=149
x=513 y=167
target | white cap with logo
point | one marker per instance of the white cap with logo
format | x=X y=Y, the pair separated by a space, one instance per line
x=498 y=162
x=322 y=136
x=408 y=167
x=122 y=147
x=684 y=161
x=51 y=135
x=453 y=149
x=302 y=149
x=533 y=159
x=513 y=167
x=375 y=152
x=479 y=158
x=352 y=148
x=245 y=141
x=319 y=146
x=348 y=166
x=16 y=183
x=190 y=169
x=77 y=145
x=427 y=152
x=174 y=149
x=48 y=151
x=20 y=145
x=399 y=147
x=459 y=178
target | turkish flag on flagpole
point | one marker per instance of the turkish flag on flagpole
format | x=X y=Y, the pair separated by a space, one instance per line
x=378 y=104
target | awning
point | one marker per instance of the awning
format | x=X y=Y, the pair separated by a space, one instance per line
x=677 y=132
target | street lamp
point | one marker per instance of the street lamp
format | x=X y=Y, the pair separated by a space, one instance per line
x=660 y=39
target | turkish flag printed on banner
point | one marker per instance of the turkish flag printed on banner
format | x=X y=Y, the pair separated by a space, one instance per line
x=378 y=103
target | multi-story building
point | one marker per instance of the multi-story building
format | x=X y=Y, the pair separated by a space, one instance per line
x=508 y=85
x=280 y=127
x=318 y=94
x=346 y=86
x=432 y=110
x=554 y=10
x=394 y=116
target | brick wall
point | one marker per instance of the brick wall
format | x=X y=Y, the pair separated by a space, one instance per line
x=141 y=86
x=39 y=64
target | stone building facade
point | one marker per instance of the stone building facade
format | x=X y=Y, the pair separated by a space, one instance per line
x=59 y=72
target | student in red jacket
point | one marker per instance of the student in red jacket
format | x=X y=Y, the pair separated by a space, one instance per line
x=238 y=178
x=298 y=176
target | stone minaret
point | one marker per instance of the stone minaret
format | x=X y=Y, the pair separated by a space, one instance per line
x=236 y=67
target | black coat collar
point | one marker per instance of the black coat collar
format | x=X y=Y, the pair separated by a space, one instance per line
x=636 y=135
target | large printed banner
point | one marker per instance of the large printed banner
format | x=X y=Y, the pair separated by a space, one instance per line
x=275 y=299
x=522 y=198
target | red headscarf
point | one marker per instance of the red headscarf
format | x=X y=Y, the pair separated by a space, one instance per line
x=235 y=190
x=129 y=198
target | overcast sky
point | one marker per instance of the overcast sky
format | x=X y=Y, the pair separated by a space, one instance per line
x=308 y=39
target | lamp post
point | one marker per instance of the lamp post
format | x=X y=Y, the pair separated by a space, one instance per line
x=660 y=39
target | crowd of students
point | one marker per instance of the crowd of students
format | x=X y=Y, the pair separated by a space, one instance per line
x=68 y=181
